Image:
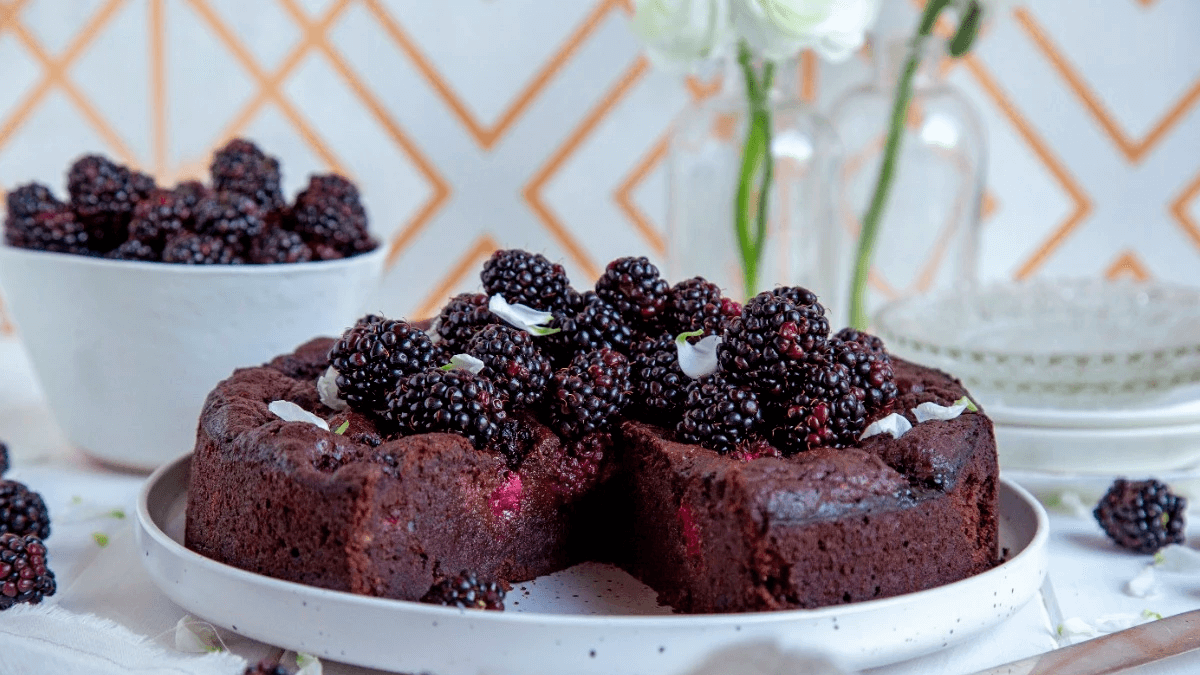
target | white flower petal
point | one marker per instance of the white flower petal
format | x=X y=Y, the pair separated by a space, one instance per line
x=328 y=390
x=932 y=411
x=1074 y=504
x=290 y=412
x=1143 y=585
x=466 y=362
x=682 y=32
x=700 y=359
x=1176 y=558
x=778 y=29
x=195 y=637
x=308 y=664
x=895 y=424
x=1077 y=629
x=527 y=319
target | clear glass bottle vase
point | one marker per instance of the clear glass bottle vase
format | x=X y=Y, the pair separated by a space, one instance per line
x=705 y=158
x=929 y=233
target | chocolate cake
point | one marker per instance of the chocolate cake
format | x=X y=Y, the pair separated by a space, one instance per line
x=734 y=458
x=710 y=533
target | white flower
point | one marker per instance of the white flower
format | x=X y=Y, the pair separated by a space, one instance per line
x=778 y=29
x=1176 y=558
x=309 y=664
x=895 y=424
x=932 y=411
x=682 y=31
x=465 y=362
x=290 y=412
x=196 y=637
x=1143 y=585
x=327 y=389
x=527 y=319
x=700 y=359
x=1077 y=629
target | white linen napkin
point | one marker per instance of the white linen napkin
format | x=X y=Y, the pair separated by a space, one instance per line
x=49 y=639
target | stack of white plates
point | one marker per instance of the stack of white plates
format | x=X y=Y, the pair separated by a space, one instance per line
x=1082 y=378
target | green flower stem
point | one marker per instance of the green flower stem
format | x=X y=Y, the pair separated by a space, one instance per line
x=756 y=157
x=887 y=169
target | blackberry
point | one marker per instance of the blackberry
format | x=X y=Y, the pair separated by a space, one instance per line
x=633 y=286
x=24 y=576
x=526 y=278
x=514 y=440
x=103 y=196
x=773 y=335
x=1142 y=516
x=200 y=249
x=22 y=511
x=452 y=401
x=579 y=470
x=231 y=216
x=595 y=326
x=872 y=343
x=658 y=382
x=372 y=357
x=467 y=591
x=3 y=458
x=461 y=318
x=588 y=395
x=697 y=304
x=513 y=363
x=871 y=377
x=134 y=250
x=822 y=411
x=719 y=415
x=38 y=221
x=242 y=168
x=164 y=213
x=278 y=245
x=331 y=218
x=266 y=668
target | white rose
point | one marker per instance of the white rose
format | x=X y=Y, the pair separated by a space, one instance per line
x=779 y=28
x=682 y=31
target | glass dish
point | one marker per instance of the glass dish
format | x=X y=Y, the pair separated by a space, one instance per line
x=1054 y=343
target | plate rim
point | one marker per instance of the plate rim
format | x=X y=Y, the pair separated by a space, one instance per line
x=1037 y=546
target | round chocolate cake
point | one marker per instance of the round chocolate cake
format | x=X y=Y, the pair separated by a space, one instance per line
x=743 y=478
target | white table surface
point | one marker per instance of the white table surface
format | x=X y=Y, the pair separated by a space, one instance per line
x=1088 y=574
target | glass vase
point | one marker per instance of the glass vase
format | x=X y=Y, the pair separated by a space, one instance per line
x=705 y=157
x=929 y=233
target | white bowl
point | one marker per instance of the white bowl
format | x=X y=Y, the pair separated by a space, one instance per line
x=126 y=352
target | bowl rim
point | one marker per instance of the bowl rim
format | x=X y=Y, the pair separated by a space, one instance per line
x=247 y=269
x=960 y=353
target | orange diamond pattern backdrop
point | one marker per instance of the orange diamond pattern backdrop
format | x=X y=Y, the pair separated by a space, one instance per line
x=474 y=124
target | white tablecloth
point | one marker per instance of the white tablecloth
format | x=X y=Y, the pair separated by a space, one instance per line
x=1088 y=574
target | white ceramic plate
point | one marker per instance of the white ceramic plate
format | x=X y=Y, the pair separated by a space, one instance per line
x=589 y=619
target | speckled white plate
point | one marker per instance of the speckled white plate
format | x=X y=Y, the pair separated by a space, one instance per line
x=588 y=619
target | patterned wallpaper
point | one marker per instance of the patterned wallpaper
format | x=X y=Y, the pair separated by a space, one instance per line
x=473 y=124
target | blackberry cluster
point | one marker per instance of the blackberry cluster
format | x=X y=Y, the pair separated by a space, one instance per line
x=587 y=395
x=659 y=384
x=103 y=196
x=24 y=576
x=776 y=333
x=242 y=168
x=22 y=511
x=595 y=325
x=513 y=363
x=118 y=213
x=1142 y=516
x=634 y=287
x=190 y=248
x=697 y=304
x=452 y=401
x=526 y=278
x=372 y=357
x=331 y=218
x=467 y=591
x=719 y=414
x=822 y=411
x=37 y=220
x=461 y=318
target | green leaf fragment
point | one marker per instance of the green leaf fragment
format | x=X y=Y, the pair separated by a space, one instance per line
x=100 y=538
x=682 y=337
x=342 y=428
x=1159 y=558
x=966 y=400
x=1150 y=614
x=119 y=514
x=542 y=331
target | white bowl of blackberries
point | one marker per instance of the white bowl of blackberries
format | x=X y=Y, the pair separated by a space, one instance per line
x=133 y=299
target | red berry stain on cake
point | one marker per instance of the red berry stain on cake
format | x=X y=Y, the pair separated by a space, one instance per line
x=506 y=499
x=691 y=531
